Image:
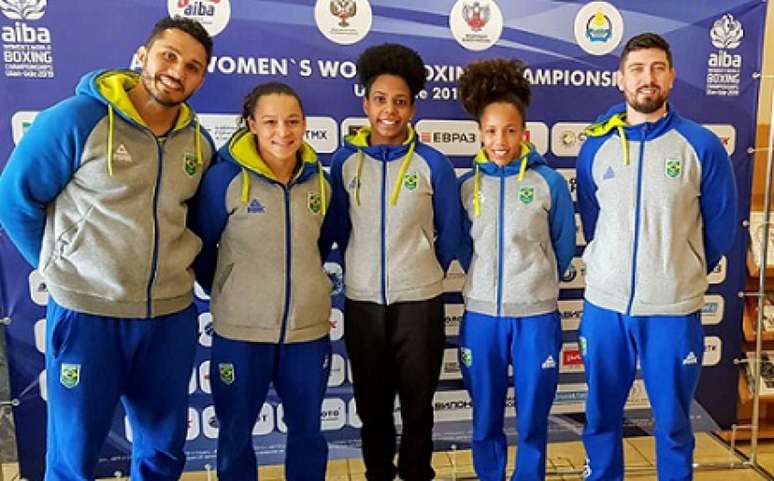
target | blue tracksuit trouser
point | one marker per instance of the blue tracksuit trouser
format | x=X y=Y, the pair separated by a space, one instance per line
x=91 y=363
x=532 y=345
x=241 y=372
x=670 y=349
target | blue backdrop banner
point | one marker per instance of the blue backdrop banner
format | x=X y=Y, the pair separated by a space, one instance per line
x=571 y=48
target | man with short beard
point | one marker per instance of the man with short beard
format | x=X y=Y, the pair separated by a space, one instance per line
x=657 y=198
x=94 y=196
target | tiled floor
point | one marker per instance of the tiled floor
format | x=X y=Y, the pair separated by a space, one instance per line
x=564 y=458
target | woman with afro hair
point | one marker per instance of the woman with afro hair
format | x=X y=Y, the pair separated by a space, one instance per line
x=397 y=208
x=518 y=237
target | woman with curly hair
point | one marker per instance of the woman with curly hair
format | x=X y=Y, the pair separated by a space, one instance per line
x=398 y=210
x=518 y=237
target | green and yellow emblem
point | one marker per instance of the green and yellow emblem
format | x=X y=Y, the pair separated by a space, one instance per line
x=410 y=181
x=189 y=164
x=466 y=356
x=526 y=194
x=70 y=375
x=314 y=202
x=583 y=345
x=673 y=166
x=226 y=371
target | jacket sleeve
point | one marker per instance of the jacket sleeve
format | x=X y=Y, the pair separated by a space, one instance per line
x=342 y=224
x=561 y=219
x=208 y=218
x=587 y=190
x=39 y=169
x=718 y=202
x=446 y=211
x=465 y=250
x=328 y=229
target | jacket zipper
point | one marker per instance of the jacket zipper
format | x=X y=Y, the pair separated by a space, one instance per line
x=637 y=219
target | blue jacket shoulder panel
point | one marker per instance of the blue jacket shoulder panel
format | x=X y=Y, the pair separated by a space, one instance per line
x=561 y=217
x=718 y=190
x=339 y=212
x=447 y=205
x=586 y=187
x=208 y=217
x=40 y=167
x=328 y=229
x=465 y=250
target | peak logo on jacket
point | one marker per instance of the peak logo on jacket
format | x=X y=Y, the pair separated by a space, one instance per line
x=255 y=207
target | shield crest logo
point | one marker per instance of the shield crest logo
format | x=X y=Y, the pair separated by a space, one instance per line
x=314 y=203
x=189 y=164
x=226 y=371
x=411 y=180
x=526 y=194
x=673 y=167
x=466 y=356
x=70 y=375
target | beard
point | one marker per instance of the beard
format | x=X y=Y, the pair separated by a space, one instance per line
x=149 y=84
x=649 y=104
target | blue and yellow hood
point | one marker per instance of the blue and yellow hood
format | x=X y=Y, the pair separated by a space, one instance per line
x=111 y=87
x=615 y=120
x=241 y=150
x=481 y=164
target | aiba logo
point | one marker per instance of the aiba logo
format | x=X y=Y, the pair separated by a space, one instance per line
x=726 y=32
x=598 y=28
x=214 y=15
x=23 y=9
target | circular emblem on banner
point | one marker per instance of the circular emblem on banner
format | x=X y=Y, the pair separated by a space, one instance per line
x=214 y=15
x=343 y=21
x=476 y=24
x=598 y=28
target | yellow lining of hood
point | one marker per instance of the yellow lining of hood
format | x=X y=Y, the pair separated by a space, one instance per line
x=244 y=151
x=618 y=122
x=114 y=87
x=481 y=158
x=360 y=139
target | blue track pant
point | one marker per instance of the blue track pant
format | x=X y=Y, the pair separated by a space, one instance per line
x=241 y=372
x=531 y=344
x=670 y=349
x=91 y=363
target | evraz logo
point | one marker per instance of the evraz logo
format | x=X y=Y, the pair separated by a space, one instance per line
x=23 y=9
x=726 y=32
x=526 y=194
x=673 y=166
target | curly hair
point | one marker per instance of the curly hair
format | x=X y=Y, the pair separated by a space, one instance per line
x=392 y=59
x=267 y=88
x=494 y=80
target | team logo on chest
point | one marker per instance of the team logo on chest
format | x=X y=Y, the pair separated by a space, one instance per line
x=189 y=164
x=70 y=375
x=526 y=194
x=410 y=181
x=314 y=202
x=673 y=166
x=226 y=371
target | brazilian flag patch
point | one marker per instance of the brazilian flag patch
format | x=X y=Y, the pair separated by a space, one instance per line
x=673 y=166
x=314 y=203
x=410 y=181
x=466 y=356
x=226 y=372
x=526 y=194
x=70 y=375
x=189 y=164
